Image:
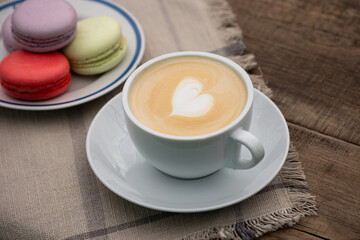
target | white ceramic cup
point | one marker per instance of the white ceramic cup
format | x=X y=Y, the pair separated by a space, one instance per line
x=195 y=156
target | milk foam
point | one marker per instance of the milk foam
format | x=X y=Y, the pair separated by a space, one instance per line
x=187 y=96
x=188 y=99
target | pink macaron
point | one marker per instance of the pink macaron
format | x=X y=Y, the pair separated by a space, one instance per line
x=44 y=25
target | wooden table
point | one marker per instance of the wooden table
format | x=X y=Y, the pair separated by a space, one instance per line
x=309 y=52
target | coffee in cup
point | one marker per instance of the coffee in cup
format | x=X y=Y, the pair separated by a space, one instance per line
x=187 y=96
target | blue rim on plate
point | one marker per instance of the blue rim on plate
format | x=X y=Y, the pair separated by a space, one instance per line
x=139 y=51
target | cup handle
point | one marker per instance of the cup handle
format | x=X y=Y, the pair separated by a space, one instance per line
x=252 y=143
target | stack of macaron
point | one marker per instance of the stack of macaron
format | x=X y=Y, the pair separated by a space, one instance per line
x=45 y=41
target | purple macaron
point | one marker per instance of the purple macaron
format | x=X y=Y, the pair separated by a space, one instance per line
x=9 y=42
x=44 y=25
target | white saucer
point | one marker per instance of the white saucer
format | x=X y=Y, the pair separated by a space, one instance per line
x=114 y=160
x=85 y=88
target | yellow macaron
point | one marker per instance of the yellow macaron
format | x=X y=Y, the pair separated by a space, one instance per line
x=98 y=46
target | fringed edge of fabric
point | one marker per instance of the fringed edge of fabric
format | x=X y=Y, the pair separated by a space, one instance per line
x=225 y=20
x=303 y=205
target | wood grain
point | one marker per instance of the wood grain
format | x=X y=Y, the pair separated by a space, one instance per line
x=332 y=170
x=290 y=234
x=309 y=52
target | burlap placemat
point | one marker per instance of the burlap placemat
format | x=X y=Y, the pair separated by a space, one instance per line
x=48 y=191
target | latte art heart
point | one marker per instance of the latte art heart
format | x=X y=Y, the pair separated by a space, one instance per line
x=188 y=100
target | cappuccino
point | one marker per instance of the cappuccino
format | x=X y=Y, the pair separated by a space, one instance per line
x=187 y=96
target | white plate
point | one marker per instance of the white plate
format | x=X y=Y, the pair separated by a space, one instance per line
x=114 y=160
x=84 y=88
